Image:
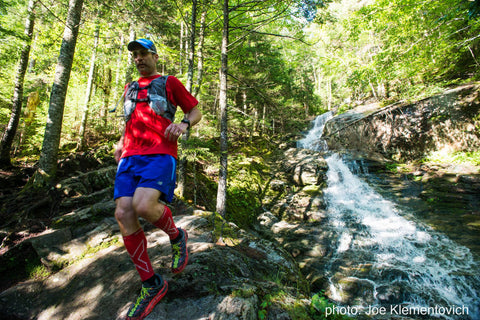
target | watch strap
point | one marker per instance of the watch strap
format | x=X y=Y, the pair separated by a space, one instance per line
x=185 y=120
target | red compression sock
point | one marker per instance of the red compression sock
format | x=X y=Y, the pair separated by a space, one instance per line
x=166 y=224
x=136 y=245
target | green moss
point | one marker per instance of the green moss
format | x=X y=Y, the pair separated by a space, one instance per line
x=474 y=225
x=264 y=305
x=313 y=190
x=60 y=264
x=459 y=157
x=244 y=292
x=221 y=228
x=106 y=244
x=38 y=272
x=298 y=308
x=319 y=306
x=249 y=174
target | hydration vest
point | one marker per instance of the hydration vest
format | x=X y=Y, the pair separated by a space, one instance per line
x=156 y=98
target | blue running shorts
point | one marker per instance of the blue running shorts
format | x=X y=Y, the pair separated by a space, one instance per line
x=157 y=171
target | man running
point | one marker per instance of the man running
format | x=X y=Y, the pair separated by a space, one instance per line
x=147 y=158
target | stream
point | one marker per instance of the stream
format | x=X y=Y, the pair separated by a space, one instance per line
x=386 y=261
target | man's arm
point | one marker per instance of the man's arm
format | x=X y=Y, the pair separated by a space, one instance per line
x=175 y=130
x=194 y=116
x=119 y=148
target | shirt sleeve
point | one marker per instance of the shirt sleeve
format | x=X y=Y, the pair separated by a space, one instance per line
x=179 y=95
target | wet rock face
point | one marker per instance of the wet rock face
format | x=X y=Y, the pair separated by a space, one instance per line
x=298 y=189
x=307 y=243
x=305 y=167
x=411 y=130
x=295 y=218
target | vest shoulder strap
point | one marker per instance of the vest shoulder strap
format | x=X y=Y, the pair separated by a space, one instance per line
x=156 y=98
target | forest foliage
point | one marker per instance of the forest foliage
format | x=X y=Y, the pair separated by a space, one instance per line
x=288 y=61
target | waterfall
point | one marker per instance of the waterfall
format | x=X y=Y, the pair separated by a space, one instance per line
x=311 y=140
x=396 y=265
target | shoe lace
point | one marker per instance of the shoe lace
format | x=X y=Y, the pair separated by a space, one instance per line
x=143 y=294
x=176 y=250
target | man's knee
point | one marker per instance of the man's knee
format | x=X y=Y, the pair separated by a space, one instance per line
x=145 y=203
x=124 y=211
x=147 y=209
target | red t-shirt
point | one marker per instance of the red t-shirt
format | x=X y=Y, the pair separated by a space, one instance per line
x=145 y=131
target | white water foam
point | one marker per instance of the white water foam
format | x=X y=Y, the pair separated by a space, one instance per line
x=311 y=140
x=426 y=267
x=414 y=264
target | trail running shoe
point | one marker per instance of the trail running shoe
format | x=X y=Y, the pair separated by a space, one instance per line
x=180 y=252
x=148 y=299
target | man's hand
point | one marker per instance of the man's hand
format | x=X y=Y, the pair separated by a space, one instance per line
x=117 y=154
x=175 y=130
x=118 y=150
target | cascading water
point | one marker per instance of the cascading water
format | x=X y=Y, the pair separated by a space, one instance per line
x=313 y=139
x=385 y=263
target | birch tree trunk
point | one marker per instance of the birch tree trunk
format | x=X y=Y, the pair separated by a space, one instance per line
x=53 y=128
x=222 y=179
x=88 y=92
x=11 y=129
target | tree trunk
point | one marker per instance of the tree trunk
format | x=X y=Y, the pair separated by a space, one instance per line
x=181 y=47
x=255 y=119
x=222 y=179
x=329 y=94
x=373 y=90
x=32 y=62
x=88 y=92
x=117 y=87
x=182 y=165
x=119 y=66
x=191 y=53
x=53 y=128
x=107 y=92
x=264 y=119
x=201 y=41
x=11 y=129
x=130 y=63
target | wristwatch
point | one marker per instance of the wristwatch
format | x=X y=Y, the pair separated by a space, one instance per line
x=185 y=120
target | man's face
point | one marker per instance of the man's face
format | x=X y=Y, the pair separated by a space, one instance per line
x=145 y=61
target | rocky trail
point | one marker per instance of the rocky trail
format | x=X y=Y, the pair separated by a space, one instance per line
x=84 y=272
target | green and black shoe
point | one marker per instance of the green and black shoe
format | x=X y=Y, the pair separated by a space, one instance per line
x=180 y=252
x=148 y=299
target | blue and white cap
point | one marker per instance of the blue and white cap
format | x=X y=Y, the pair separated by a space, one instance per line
x=142 y=43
